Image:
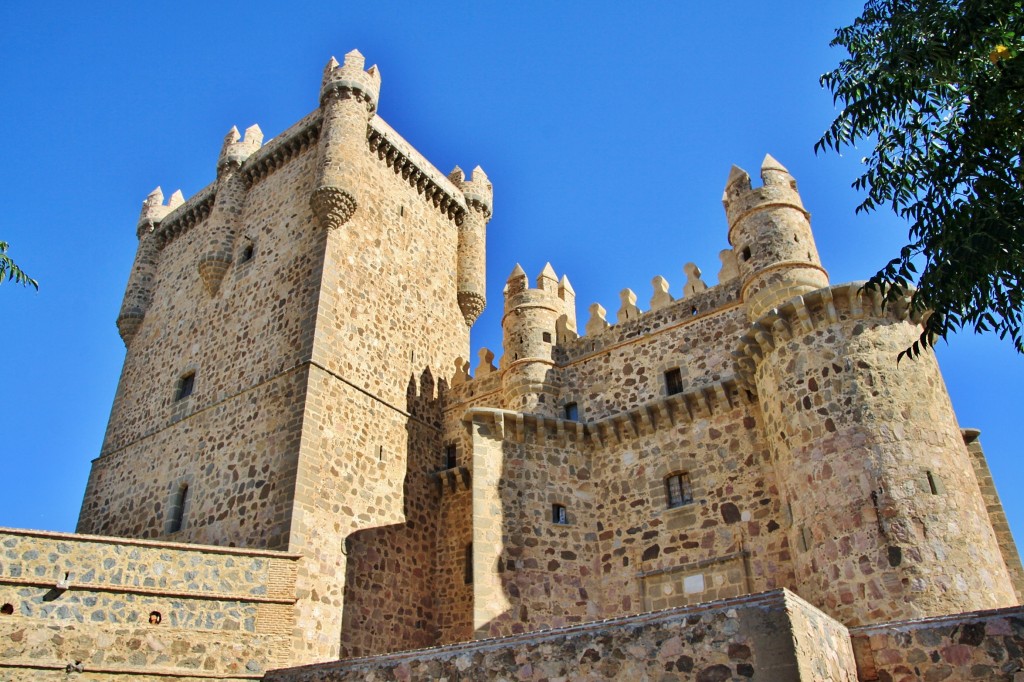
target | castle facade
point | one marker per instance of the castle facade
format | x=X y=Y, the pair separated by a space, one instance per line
x=301 y=464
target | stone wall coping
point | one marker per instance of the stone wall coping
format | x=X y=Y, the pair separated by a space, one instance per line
x=931 y=621
x=648 y=417
x=771 y=599
x=196 y=595
x=155 y=544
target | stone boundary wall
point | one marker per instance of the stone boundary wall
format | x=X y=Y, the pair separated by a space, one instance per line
x=978 y=645
x=88 y=601
x=763 y=636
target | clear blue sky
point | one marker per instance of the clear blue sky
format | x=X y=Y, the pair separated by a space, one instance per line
x=608 y=130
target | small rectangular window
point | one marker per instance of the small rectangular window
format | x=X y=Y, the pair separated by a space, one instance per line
x=185 y=386
x=469 y=564
x=678 y=490
x=572 y=411
x=177 y=511
x=673 y=381
x=546 y=336
x=558 y=514
x=450 y=456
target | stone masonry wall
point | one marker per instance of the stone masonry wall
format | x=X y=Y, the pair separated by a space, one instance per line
x=89 y=601
x=878 y=446
x=980 y=645
x=729 y=539
x=235 y=439
x=387 y=315
x=624 y=366
x=756 y=637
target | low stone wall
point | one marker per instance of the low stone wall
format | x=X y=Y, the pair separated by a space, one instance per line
x=979 y=645
x=752 y=637
x=114 y=606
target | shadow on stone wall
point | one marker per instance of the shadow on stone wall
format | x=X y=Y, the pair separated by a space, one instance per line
x=389 y=601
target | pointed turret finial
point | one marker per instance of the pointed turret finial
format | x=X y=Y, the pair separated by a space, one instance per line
x=232 y=136
x=457 y=176
x=479 y=175
x=517 y=282
x=154 y=198
x=355 y=59
x=771 y=163
x=177 y=199
x=547 y=279
x=737 y=174
x=774 y=173
x=565 y=288
x=254 y=135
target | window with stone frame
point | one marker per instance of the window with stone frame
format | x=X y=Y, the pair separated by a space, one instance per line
x=450 y=456
x=571 y=411
x=559 y=515
x=673 y=381
x=185 y=386
x=678 y=490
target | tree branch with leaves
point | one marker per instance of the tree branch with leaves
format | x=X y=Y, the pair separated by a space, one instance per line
x=9 y=270
x=937 y=87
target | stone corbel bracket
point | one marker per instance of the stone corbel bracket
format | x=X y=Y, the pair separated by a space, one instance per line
x=804 y=314
x=638 y=422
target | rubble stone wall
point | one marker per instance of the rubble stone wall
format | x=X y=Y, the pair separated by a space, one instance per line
x=980 y=645
x=127 y=607
x=752 y=637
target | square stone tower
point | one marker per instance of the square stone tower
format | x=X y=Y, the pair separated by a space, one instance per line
x=284 y=328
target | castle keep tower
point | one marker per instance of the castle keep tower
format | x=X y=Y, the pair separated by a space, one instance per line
x=287 y=332
x=876 y=479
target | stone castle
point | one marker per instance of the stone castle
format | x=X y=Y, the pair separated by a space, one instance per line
x=300 y=467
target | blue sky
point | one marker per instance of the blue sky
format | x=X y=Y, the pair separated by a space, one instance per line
x=608 y=130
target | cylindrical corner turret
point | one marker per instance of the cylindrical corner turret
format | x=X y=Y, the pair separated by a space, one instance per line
x=227 y=207
x=770 y=232
x=530 y=326
x=878 y=484
x=139 y=291
x=348 y=99
x=472 y=248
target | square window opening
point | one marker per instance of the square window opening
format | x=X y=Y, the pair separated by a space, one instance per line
x=678 y=490
x=185 y=386
x=674 y=381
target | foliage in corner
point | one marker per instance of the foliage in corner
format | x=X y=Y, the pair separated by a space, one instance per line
x=9 y=270
x=938 y=87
